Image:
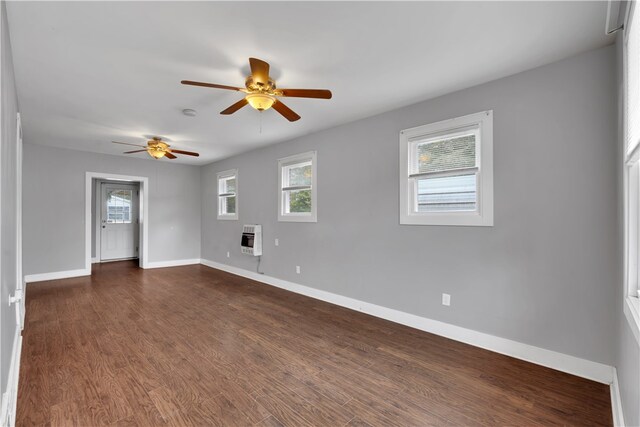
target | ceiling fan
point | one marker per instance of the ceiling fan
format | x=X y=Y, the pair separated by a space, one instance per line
x=262 y=93
x=157 y=149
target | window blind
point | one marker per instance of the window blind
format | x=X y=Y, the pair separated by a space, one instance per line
x=633 y=82
x=448 y=152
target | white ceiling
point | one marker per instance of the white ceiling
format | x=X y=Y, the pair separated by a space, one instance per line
x=91 y=72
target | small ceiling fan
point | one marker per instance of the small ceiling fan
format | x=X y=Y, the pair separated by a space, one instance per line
x=157 y=149
x=262 y=93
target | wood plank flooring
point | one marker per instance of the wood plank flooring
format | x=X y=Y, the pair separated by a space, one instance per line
x=196 y=346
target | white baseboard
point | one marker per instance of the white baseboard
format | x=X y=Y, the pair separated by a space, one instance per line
x=30 y=278
x=172 y=263
x=94 y=260
x=540 y=356
x=616 y=401
x=10 y=397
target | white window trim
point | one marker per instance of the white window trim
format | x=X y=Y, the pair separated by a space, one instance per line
x=632 y=242
x=484 y=215
x=299 y=217
x=631 y=306
x=223 y=175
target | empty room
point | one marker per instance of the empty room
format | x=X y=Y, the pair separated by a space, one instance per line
x=307 y=213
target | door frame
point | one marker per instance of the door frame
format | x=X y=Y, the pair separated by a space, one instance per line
x=20 y=283
x=97 y=191
x=143 y=213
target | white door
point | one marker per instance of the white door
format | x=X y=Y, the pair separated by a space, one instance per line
x=119 y=221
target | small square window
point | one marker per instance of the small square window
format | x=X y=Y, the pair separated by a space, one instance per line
x=228 y=195
x=446 y=172
x=297 y=181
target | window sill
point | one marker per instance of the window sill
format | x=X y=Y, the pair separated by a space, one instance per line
x=455 y=219
x=228 y=217
x=297 y=218
x=632 y=313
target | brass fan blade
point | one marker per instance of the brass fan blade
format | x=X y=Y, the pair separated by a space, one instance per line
x=211 y=85
x=186 y=153
x=235 y=107
x=169 y=155
x=134 y=151
x=287 y=112
x=259 y=70
x=307 y=93
x=126 y=143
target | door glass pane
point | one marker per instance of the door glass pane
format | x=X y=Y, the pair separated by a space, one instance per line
x=119 y=206
x=451 y=193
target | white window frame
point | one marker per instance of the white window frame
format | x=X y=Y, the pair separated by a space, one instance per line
x=483 y=215
x=224 y=176
x=298 y=216
x=632 y=242
x=631 y=178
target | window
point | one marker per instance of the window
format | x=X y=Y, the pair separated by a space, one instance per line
x=632 y=238
x=119 y=206
x=297 y=181
x=446 y=172
x=228 y=194
x=632 y=168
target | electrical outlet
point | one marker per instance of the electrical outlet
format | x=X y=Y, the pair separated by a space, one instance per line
x=298 y=269
x=228 y=255
x=277 y=242
x=446 y=299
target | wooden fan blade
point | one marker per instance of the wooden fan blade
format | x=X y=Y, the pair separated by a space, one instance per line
x=169 y=155
x=307 y=93
x=235 y=107
x=186 y=153
x=211 y=85
x=287 y=112
x=259 y=70
x=126 y=143
x=134 y=151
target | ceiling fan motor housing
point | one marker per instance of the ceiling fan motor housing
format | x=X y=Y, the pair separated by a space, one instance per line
x=157 y=149
x=253 y=85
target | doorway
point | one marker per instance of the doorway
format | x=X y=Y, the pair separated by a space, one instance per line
x=118 y=220
x=116 y=215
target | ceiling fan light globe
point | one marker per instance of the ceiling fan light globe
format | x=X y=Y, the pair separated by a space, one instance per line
x=156 y=154
x=260 y=101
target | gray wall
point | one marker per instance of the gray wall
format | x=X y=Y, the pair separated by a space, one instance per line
x=627 y=348
x=54 y=206
x=543 y=275
x=9 y=185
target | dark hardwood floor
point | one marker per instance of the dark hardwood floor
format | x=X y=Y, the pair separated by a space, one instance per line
x=197 y=346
